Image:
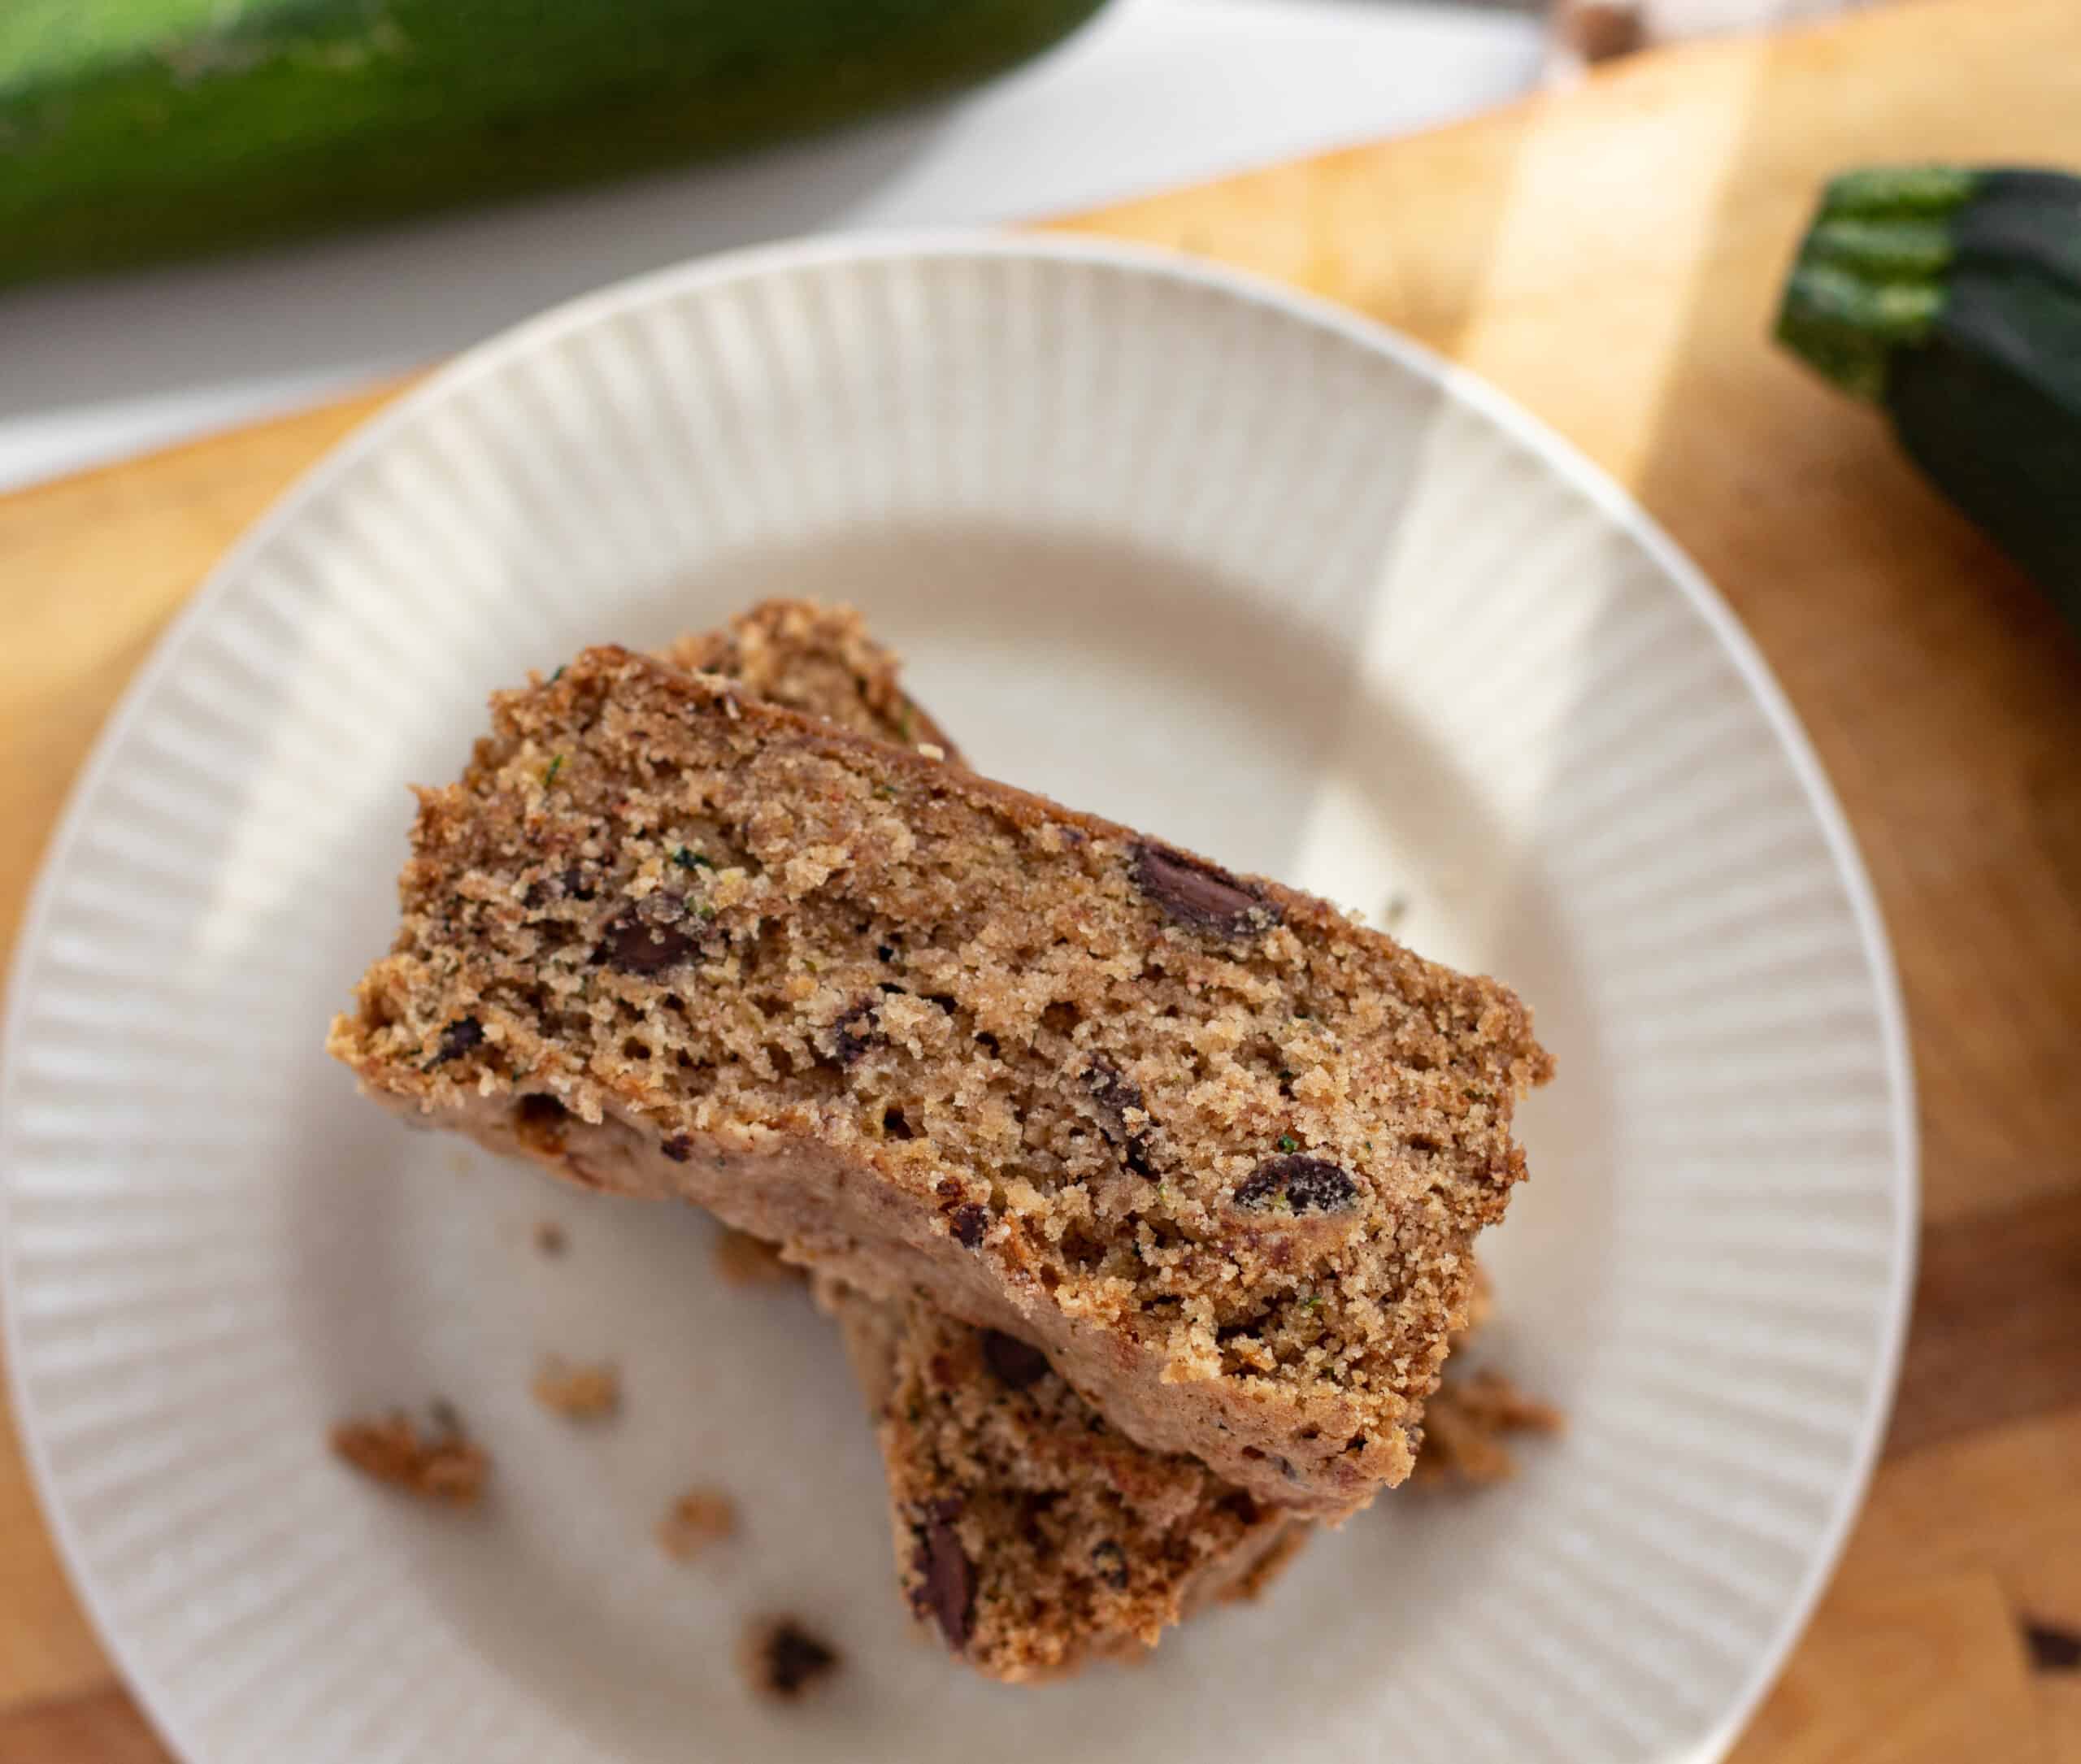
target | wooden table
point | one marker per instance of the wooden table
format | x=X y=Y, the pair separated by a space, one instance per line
x=1609 y=257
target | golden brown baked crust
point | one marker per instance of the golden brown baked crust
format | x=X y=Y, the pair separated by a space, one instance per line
x=1220 y=1150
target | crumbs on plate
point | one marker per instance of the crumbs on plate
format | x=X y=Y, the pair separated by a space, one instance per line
x=782 y=1661
x=1465 y=1424
x=699 y=1518
x=577 y=1392
x=441 y=1464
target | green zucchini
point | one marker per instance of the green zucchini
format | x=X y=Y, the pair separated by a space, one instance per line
x=1952 y=299
x=137 y=130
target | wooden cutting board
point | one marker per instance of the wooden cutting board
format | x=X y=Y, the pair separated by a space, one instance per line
x=1611 y=257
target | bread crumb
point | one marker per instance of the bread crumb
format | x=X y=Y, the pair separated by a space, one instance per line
x=549 y=1237
x=744 y=1260
x=1464 y=1426
x=781 y=1660
x=699 y=1518
x=579 y=1392
x=441 y=1464
x=1268 y=1566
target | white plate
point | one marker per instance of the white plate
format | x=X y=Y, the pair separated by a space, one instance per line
x=1182 y=548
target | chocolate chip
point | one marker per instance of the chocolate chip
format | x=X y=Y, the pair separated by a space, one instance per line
x=1111 y=1562
x=970 y=1223
x=2053 y=1649
x=1017 y=1363
x=944 y=1584
x=457 y=1040
x=1115 y=1093
x=1200 y=894
x=853 y=1034
x=679 y=1148
x=790 y=1659
x=1309 y=1184
x=650 y=935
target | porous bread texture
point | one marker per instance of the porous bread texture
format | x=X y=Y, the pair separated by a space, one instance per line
x=1218 y=1149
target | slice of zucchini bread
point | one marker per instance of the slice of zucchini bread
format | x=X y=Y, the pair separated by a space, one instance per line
x=1218 y=1150
x=1033 y=1537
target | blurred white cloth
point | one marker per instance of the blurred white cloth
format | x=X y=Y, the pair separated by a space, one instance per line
x=1154 y=92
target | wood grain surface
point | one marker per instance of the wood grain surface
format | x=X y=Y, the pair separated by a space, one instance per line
x=1609 y=257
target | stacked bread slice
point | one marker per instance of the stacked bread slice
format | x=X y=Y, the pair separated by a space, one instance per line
x=1144 y=1193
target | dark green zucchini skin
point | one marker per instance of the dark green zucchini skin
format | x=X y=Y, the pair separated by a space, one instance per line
x=1952 y=297
x=138 y=130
